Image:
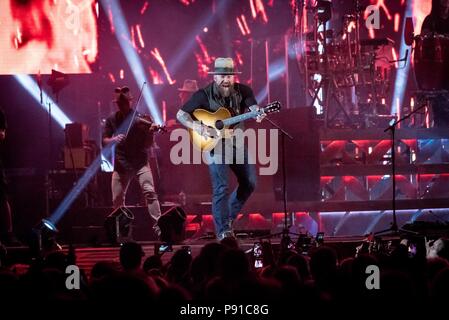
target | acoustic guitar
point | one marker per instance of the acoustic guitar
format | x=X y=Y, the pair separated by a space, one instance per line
x=221 y=120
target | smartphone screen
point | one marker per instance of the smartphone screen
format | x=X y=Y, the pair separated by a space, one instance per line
x=188 y=249
x=257 y=253
x=412 y=250
x=258 y=264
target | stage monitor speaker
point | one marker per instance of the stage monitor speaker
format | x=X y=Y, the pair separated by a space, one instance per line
x=172 y=224
x=302 y=155
x=118 y=225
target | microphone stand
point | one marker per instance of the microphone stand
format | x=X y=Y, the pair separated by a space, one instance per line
x=285 y=239
x=394 y=229
x=49 y=182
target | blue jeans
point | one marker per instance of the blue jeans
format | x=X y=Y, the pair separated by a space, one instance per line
x=225 y=207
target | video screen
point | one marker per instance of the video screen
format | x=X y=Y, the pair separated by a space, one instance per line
x=37 y=36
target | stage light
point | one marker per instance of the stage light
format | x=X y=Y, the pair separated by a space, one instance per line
x=49 y=225
x=78 y=188
x=33 y=89
x=44 y=238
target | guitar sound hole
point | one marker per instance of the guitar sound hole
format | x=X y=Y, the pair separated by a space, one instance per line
x=219 y=124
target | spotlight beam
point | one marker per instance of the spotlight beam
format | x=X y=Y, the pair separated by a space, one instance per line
x=133 y=59
x=82 y=183
x=33 y=89
x=402 y=74
x=276 y=68
x=186 y=47
x=189 y=42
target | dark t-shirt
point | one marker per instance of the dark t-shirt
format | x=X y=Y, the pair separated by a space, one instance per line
x=200 y=100
x=435 y=24
x=131 y=154
x=210 y=99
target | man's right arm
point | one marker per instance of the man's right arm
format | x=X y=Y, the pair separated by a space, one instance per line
x=108 y=135
x=185 y=119
x=118 y=138
x=184 y=115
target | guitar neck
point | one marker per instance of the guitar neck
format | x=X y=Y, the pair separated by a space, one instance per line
x=240 y=118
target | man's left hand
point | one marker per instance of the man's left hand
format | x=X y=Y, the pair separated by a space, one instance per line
x=260 y=117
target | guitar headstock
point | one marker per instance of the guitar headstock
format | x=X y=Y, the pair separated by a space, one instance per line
x=274 y=106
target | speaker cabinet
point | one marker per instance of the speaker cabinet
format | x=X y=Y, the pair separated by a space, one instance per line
x=76 y=134
x=172 y=224
x=302 y=155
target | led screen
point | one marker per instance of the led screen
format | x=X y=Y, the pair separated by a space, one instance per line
x=37 y=36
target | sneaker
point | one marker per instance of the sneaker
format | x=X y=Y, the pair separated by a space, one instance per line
x=165 y=247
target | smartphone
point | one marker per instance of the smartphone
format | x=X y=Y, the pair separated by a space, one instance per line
x=411 y=249
x=188 y=249
x=258 y=264
x=257 y=254
x=320 y=237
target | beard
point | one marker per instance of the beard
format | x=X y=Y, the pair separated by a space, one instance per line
x=226 y=91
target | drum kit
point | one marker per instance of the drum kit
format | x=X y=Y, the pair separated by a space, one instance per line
x=354 y=74
x=431 y=62
x=431 y=69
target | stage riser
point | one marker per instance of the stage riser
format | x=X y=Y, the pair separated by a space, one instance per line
x=86 y=226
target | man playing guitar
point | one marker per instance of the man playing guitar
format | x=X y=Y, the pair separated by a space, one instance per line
x=236 y=97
